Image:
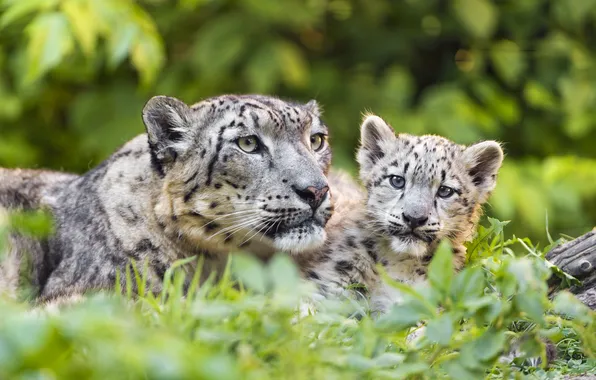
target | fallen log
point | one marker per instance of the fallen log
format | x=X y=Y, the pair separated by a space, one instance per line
x=578 y=258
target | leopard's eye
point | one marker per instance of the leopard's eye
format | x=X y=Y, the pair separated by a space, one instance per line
x=445 y=192
x=249 y=144
x=317 y=141
x=397 y=181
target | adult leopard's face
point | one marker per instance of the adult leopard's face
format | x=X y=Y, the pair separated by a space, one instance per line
x=240 y=169
x=423 y=189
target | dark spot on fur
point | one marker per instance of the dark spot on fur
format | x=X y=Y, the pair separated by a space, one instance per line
x=344 y=266
x=211 y=226
x=190 y=193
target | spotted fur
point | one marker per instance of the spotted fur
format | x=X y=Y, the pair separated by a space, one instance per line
x=184 y=188
x=400 y=227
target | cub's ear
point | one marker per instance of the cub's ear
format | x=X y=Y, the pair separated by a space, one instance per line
x=375 y=136
x=483 y=161
x=313 y=107
x=167 y=121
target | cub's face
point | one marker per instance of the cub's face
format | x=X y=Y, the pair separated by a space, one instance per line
x=423 y=189
x=239 y=169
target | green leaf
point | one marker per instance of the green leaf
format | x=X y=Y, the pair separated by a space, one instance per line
x=480 y=17
x=538 y=96
x=407 y=370
x=50 y=41
x=509 y=61
x=120 y=42
x=293 y=66
x=489 y=345
x=283 y=273
x=468 y=284
x=403 y=316
x=83 y=24
x=22 y=8
x=229 y=31
x=567 y=304
x=457 y=370
x=440 y=330
x=148 y=57
x=250 y=271
x=389 y=359
x=440 y=270
x=261 y=71
x=532 y=304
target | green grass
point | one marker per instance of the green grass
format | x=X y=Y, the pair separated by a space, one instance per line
x=246 y=326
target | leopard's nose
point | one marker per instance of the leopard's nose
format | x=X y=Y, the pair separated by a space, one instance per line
x=414 y=221
x=312 y=195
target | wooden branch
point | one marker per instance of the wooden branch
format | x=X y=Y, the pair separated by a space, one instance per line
x=578 y=258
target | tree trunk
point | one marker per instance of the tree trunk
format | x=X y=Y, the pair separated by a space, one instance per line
x=578 y=258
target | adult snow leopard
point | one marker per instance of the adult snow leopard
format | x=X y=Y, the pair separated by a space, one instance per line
x=230 y=172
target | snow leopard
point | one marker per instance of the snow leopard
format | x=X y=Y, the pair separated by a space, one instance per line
x=229 y=173
x=418 y=191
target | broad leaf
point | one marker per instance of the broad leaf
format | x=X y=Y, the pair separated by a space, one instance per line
x=50 y=41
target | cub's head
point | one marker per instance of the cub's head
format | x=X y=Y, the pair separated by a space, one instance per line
x=239 y=170
x=422 y=189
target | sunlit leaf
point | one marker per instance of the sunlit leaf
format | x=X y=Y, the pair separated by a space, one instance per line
x=478 y=16
x=82 y=23
x=50 y=40
x=509 y=61
x=148 y=57
x=21 y=8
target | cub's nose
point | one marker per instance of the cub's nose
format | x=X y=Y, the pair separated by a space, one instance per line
x=414 y=221
x=312 y=195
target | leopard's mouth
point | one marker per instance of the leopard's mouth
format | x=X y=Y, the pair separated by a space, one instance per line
x=413 y=236
x=304 y=227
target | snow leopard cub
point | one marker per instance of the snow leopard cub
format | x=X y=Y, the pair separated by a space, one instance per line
x=419 y=191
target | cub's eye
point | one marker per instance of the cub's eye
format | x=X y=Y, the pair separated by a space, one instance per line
x=317 y=141
x=445 y=192
x=249 y=144
x=397 y=181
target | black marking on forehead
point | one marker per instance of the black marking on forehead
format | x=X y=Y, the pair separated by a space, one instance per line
x=406 y=167
x=255 y=119
x=443 y=174
x=216 y=153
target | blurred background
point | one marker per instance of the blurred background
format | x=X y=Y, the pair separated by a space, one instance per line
x=75 y=74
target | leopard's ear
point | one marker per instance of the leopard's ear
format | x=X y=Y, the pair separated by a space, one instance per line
x=376 y=136
x=483 y=161
x=313 y=107
x=167 y=121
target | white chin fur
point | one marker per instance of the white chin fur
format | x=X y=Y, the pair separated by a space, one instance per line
x=291 y=243
x=414 y=248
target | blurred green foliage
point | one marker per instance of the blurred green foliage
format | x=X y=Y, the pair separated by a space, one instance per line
x=74 y=75
x=246 y=326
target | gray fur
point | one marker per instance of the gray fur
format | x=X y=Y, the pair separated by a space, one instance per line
x=185 y=188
